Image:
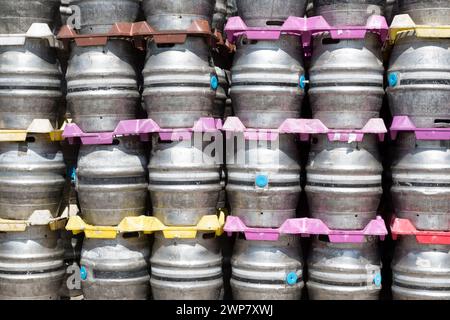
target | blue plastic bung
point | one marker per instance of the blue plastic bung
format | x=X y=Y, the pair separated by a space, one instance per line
x=83 y=273
x=291 y=278
x=377 y=280
x=73 y=173
x=393 y=79
x=302 y=81
x=261 y=181
x=214 y=82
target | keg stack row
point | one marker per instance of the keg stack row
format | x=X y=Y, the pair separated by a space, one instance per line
x=419 y=98
x=341 y=48
x=183 y=96
x=35 y=250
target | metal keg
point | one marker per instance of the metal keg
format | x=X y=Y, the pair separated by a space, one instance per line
x=98 y=16
x=31 y=264
x=111 y=181
x=221 y=94
x=30 y=84
x=231 y=8
x=177 y=14
x=16 y=16
x=116 y=269
x=71 y=286
x=346 y=81
x=263 y=186
x=179 y=83
x=260 y=13
x=102 y=86
x=220 y=15
x=267 y=270
x=421 y=182
x=267 y=81
x=390 y=10
x=32 y=177
x=344 y=271
x=348 y=12
x=184 y=180
x=420 y=271
x=343 y=184
x=429 y=12
x=419 y=80
x=187 y=269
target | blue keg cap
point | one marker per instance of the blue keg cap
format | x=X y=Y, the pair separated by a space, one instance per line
x=214 y=82
x=261 y=181
x=291 y=278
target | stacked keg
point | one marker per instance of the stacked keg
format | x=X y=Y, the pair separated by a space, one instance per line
x=343 y=184
x=419 y=90
x=110 y=179
x=263 y=185
x=32 y=169
x=180 y=84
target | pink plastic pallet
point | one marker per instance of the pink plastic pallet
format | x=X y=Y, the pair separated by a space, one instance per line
x=306 y=227
x=405 y=124
x=404 y=227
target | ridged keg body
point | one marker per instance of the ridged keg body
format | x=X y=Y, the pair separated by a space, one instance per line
x=421 y=182
x=420 y=271
x=184 y=181
x=30 y=84
x=419 y=76
x=187 y=269
x=112 y=182
x=116 y=269
x=177 y=83
x=98 y=16
x=31 y=264
x=102 y=85
x=261 y=13
x=17 y=16
x=221 y=94
x=344 y=271
x=32 y=177
x=263 y=186
x=430 y=12
x=346 y=81
x=266 y=270
x=348 y=12
x=344 y=182
x=220 y=15
x=265 y=85
x=177 y=14
x=72 y=253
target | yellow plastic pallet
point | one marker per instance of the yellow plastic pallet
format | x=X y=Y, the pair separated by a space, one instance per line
x=37 y=126
x=147 y=225
x=22 y=225
x=403 y=23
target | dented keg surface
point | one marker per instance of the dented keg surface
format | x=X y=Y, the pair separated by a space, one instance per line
x=177 y=14
x=266 y=81
x=116 y=269
x=429 y=12
x=220 y=15
x=72 y=253
x=419 y=80
x=184 y=180
x=179 y=83
x=98 y=16
x=31 y=264
x=420 y=271
x=111 y=181
x=102 y=85
x=348 y=12
x=263 y=186
x=187 y=269
x=221 y=94
x=421 y=182
x=260 y=13
x=30 y=84
x=32 y=177
x=344 y=182
x=346 y=81
x=16 y=16
x=267 y=270
x=344 y=271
